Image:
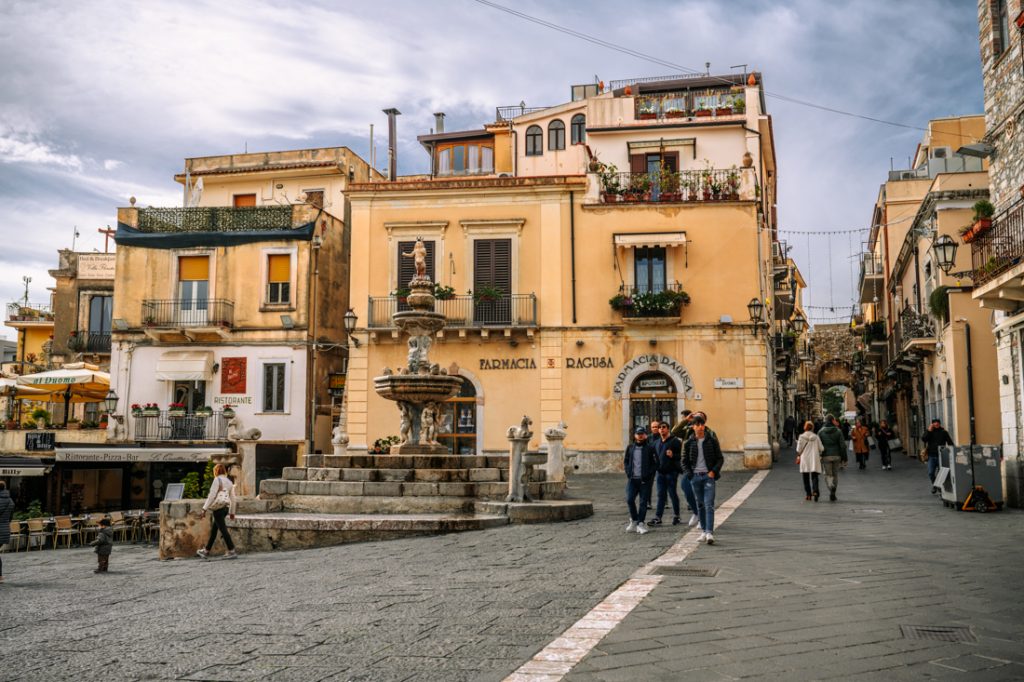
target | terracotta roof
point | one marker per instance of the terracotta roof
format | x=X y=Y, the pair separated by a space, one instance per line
x=261 y=168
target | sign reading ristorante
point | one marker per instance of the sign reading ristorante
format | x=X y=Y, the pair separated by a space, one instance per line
x=137 y=454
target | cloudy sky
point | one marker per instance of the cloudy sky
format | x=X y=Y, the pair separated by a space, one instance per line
x=100 y=101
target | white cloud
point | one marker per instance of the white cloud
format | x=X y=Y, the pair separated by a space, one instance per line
x=21 y=146
x=112 y=164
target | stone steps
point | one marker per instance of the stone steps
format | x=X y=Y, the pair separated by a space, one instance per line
x=489 y=490
x=460 y=475
x=416 y=461
x=355 y=504
x=282 y=531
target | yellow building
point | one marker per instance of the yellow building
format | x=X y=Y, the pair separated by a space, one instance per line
x=919 y=316
x=575 y=291
x=235 y=301
x=33 y=324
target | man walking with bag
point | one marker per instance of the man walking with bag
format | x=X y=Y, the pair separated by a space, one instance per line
x=834 y=455
x=933 y=438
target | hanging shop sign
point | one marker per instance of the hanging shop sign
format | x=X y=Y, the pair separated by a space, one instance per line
x=39 y=441
x=22 y=471
x=336 y=384
x=232 y=375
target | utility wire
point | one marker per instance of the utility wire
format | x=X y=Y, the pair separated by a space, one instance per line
x=655 y=60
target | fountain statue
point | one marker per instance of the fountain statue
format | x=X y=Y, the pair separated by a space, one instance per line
x=420 y=386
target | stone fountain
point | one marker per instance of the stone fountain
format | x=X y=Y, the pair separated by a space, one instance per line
x=420 y=386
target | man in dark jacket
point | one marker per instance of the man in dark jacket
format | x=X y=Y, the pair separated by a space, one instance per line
x=702 y=461
x=640 y=462
x=670 y=454
x=6 y=509
x=834 y=456
x=787 y=430
x=933 y=439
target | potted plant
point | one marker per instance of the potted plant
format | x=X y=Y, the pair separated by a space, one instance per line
x=938 y=303
x=701 y=106
x=983 y=212
x=611 y=189
x=724 y=110
x=646 y=109
x=732 y=184
x=176 y=410
x=705 y=181
x=639 y=187
x=716 y=190
x=443 y=293
x=88 y=424
x=228 y=412
x=674 y=112
x=620 y=301
x=668 y=184
x=136 y=410
x=487 y=294
x=204 y=411
x=739 y=104
x=11 y=424
x=402 y=294
x=41 y=417
x=149 y=320
x=74 y=423
x=151 y=410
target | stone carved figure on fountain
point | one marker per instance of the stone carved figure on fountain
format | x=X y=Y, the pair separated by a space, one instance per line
x=556 y=466
x=339 y=437
x=419 y=346
x=518 y=472
x=405 y=428
x=419 y=258
x=428 y=424
x=235 y=431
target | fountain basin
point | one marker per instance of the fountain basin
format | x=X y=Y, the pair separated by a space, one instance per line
x=417 y=388
x=419 y=322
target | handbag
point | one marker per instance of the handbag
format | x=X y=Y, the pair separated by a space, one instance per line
x=222 y=499
x=923 y=455
x=895 y=444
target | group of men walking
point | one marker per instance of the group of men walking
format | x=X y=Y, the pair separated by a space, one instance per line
x=687 y=456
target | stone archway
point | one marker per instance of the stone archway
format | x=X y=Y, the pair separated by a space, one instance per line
x=836 y=373
x=651 y=362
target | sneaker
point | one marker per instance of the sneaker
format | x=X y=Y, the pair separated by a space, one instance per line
x=676 y=520
x=232 y=554
x=709 y=539
x=693 y=521
x=656 y=521
x=642 y=528
x=702 y=537
x=831 y=497
x=202 y=554
x=631 y=526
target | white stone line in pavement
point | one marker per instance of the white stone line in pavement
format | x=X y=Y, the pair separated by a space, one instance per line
x=557 y=659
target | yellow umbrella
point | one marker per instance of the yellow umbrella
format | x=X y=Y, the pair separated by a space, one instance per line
x=77 y=382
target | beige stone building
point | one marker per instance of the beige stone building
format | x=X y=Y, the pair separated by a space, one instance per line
x=594 y=260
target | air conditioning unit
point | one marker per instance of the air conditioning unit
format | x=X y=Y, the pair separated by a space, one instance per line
x=940 y=152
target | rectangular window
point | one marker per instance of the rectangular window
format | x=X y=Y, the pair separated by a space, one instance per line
x=1000 y=27
x=279 y=267
x=193 y=287
x=459 y=159
x=243 y=200
x=273 y=387
x=100 y=312
x=649 y=269
x=315 y=197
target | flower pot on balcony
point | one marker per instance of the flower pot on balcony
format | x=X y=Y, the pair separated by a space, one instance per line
x=980 y=227
x=675 y=114
x=610 y=197
x=700 y=113
x=670 y=196
x=228 y=412
x=647 y=116
x=175 y=413
x=723 y=111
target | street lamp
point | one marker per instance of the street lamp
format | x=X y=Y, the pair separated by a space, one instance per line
x=799 y=324
x=110 y=402
x=755 y=308
x=350 y=326
x=944 y=249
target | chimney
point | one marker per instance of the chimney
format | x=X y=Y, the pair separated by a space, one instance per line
x=439 y=122
x=392 y=150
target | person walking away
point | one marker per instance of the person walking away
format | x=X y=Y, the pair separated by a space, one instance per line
x=788 y=427
x=640 y=463
x=933 y=438
x=883 y=434
x=859 y=435
x=833 y=456
x=6 y=509
x=808 y=456
x=702 y=458
x=221 y=501
x=669 y=451
x=104 y=544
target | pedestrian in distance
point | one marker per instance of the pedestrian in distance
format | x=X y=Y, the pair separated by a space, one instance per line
x=788 y=426
x=683 y=430
x=104 y=544
x=808 y=457
x=703 y=460
x=653 y=435
x=6 y=509
x=883 y=434
x=640 y=462
x=669 y=451
x=934 y=438
x=833 y=457
x=859 y=435
x=221 y=501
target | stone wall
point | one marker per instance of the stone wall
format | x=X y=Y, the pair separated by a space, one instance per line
x=182 y=531
x=1004 y=105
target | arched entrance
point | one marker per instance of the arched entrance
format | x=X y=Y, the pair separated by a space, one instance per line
x=655 y=363
x=652 y=395
x=459 y=423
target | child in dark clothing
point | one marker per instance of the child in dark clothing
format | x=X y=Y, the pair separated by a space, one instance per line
x=103 y=543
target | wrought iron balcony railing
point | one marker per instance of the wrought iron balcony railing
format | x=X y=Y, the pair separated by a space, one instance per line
x=187 y=312
x=463 y=312
x=690 y=185
x=89 y=342
x=29 y=312
x=169 y=427
x=504 y=114
x=1001 y=247
x=215 y=219
x=914 y=326
x=646 y=301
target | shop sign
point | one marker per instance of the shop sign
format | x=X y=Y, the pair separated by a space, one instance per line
x=132 y=455
x=232 y=400
x=649 y=384
x=40 y=440
x=507 y=363
x=96 y=265
x=728 y=382
x=336 y=384
x=232 y=375
x=22 y=471
x=589 y=363
x=654 y=362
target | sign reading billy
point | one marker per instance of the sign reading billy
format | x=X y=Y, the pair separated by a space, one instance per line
x=35 y=442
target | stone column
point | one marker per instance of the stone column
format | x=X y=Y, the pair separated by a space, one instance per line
x=519 y=438
x=247 y=481
x=555 y=465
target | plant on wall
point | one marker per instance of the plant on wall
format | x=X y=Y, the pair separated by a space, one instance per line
x=938 y=303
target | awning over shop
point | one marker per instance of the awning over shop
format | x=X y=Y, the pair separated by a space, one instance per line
x=131 y=455
x=21 y=466
x=641 y=239
x=185 y=365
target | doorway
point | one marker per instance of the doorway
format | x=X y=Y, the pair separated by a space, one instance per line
x=652 y=396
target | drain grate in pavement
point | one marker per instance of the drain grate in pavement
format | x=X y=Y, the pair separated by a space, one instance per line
x=941 y=633
x=867 y=511
x=689 y=571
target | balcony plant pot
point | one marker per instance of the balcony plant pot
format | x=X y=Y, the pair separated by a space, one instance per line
x=610 y=197
x=675 y=114
x=701 y=113
x=723 y=111
x=229 y=413
x=174 y=412
x=647 y=116
x=980 y=227
x=73 y=426
x=631 y=196
x=670 y=196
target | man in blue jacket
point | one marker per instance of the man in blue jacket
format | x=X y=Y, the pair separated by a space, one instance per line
x=640 y=463
x=703 y=460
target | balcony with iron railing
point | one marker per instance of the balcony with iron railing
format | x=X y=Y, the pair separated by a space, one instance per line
x=506 y=114
x=463 y=312
x=89 y=342
x=705 y=185
x=19 y=314
x=179 y=313
x=871 y=277
x=916 y=330
x=646 y=302
x=1000 y=248
x=167 y=426
x=689 y=105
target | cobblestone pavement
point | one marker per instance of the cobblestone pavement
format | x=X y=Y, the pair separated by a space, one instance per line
x=469 y=606
x=810 y=590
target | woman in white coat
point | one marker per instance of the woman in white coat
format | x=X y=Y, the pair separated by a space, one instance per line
x=808 y=456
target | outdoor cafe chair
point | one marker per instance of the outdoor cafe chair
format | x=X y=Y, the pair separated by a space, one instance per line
x=63 y=528
x=37 y=531
x=117 y=525
x=90 y=527
x=16 y=537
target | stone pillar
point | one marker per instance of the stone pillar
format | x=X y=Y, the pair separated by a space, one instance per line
x=555 y=465
x=757 y=449
x=339 y=436
x=518 y=485
x=246 y=461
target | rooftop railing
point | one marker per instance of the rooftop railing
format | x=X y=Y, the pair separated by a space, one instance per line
x=654 y=186
x=1001 y=247
x=504 y=114
x=29 y=312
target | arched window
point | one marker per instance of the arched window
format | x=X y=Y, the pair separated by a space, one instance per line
x=534 y=141
x=556 y=135
x=579 y=129
x=457 y=424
